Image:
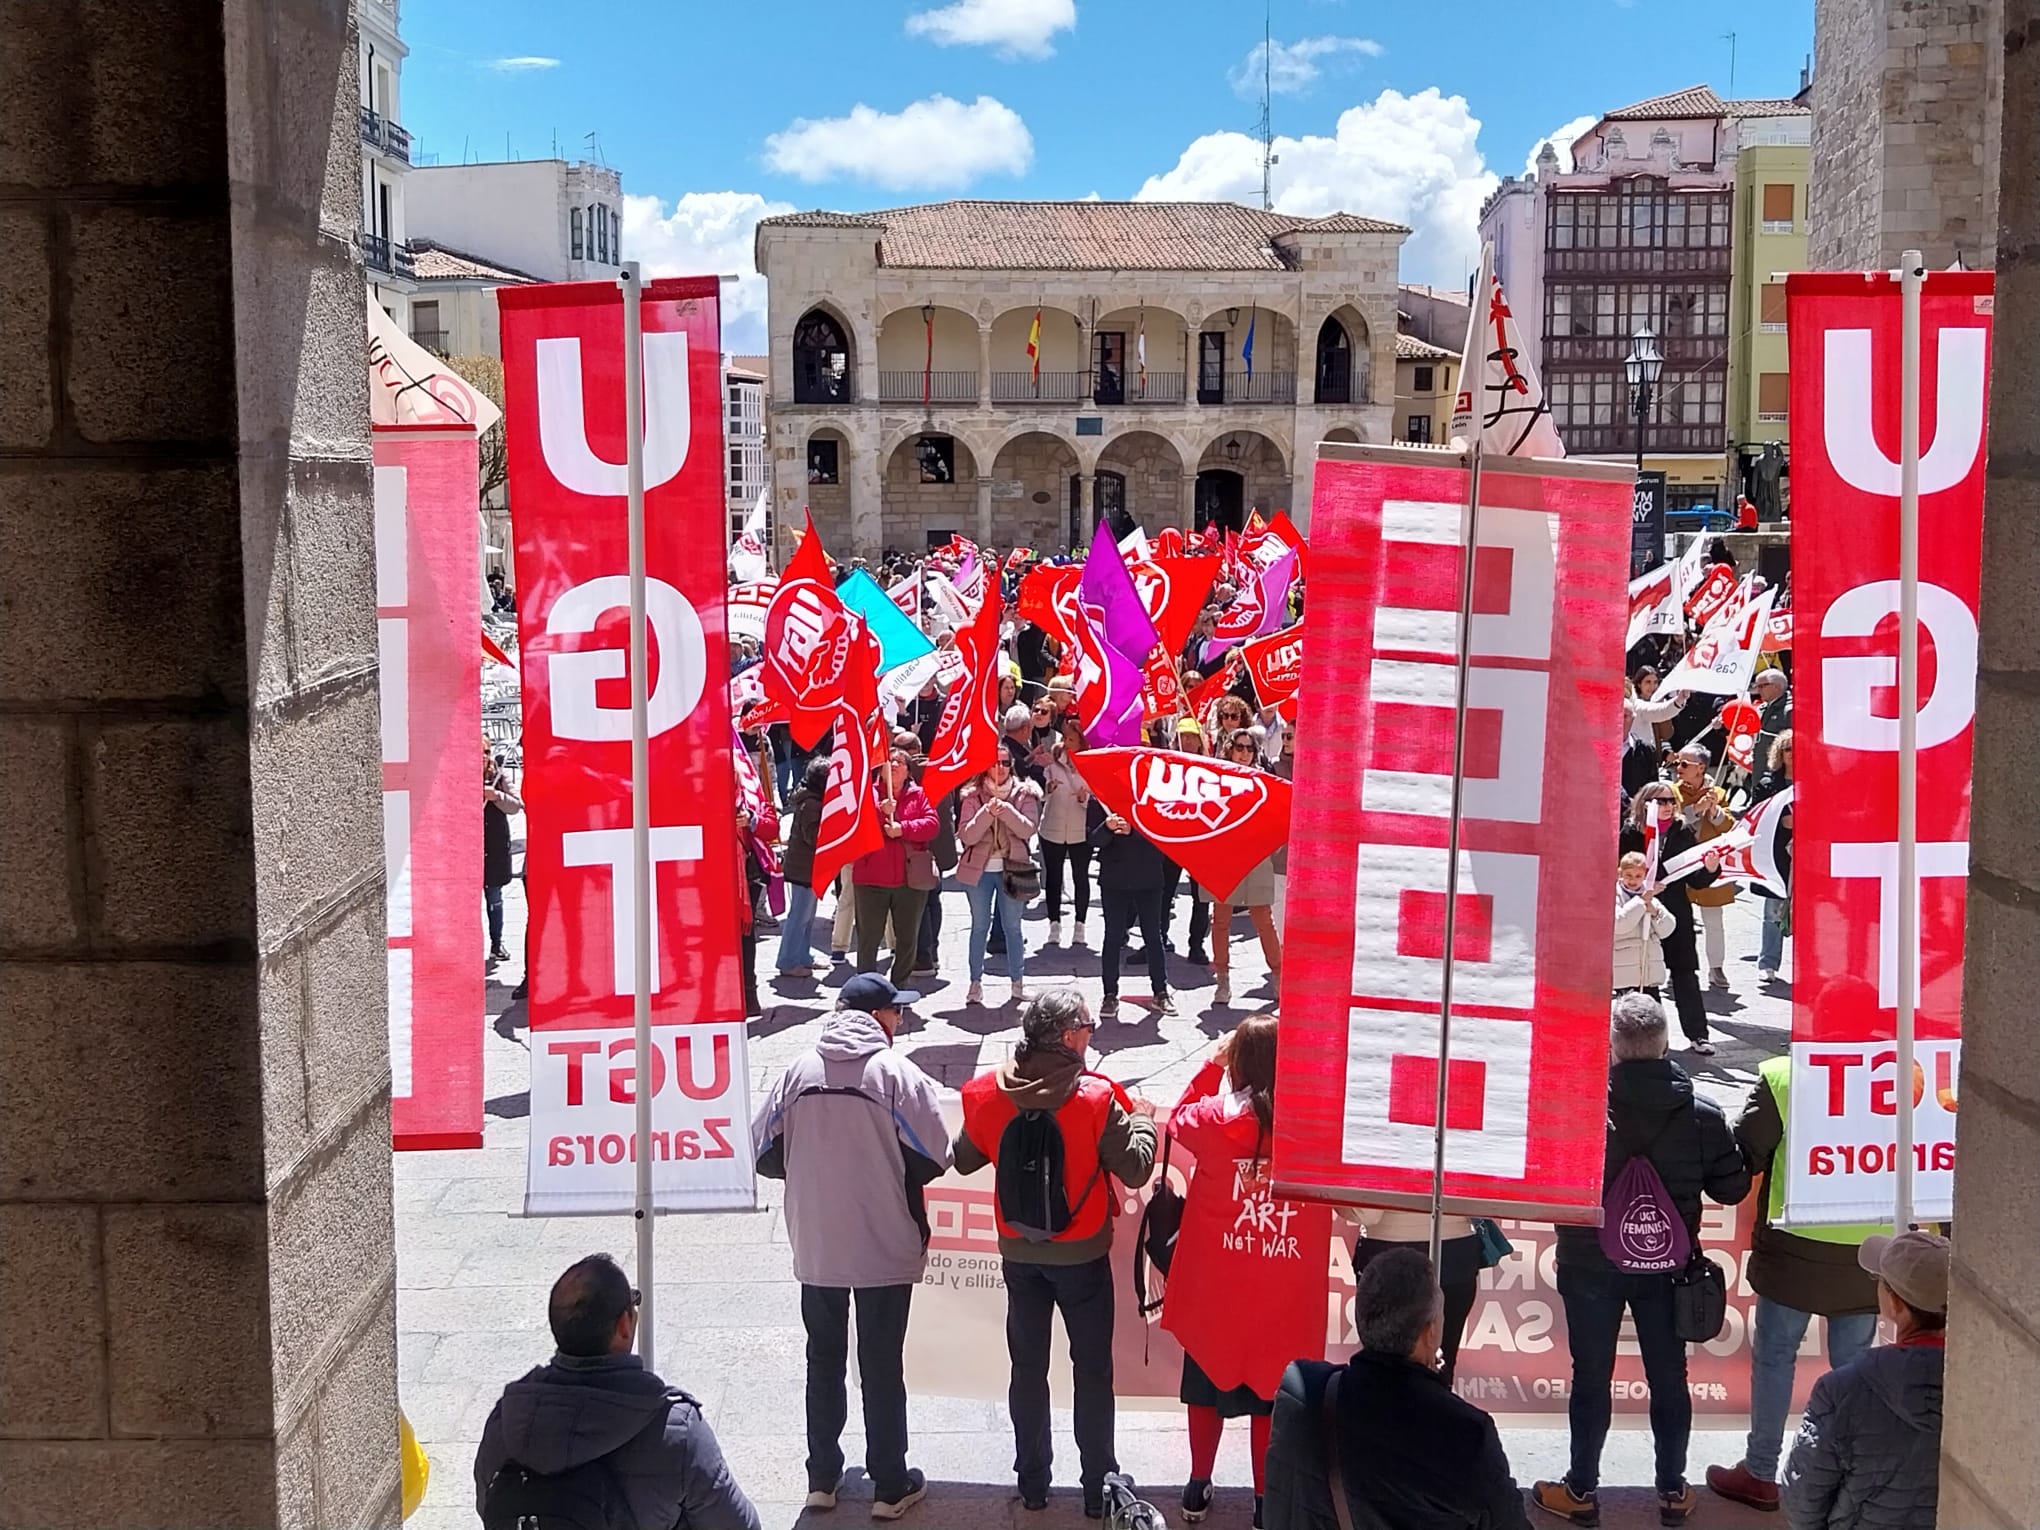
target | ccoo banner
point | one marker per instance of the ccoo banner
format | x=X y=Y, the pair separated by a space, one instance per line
x=563 y=374
x=1845 y=404
x=1367 y=864
x=428 y=610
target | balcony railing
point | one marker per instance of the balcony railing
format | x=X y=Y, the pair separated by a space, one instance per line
x=1679 y=350
x=1112 y=389
x=1584 y=440
x=938 y=387
x=378 y=132
x=1049 y=388
x=433 y=340
x=379 y=254
x=1704 y=261
x=1261 y=388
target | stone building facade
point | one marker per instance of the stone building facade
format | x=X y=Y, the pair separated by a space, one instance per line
x=1187 y=357
x=1907 y=107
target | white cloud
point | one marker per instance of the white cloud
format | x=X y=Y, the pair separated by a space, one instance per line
x=708 y=233
x=1561 y=139
x=1290 y=67
x=936 y=144
x=1017 y=28
x=1410 y=158
x=524 y=64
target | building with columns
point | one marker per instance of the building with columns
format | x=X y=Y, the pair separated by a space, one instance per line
x=1014 y=370
x=385 y=160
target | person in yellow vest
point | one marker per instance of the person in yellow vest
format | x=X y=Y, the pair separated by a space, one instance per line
x=1057 y=1135
x=1796 y=1275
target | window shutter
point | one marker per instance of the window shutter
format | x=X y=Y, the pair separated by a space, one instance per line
x=1773 y=389
x=1773 y=306
x=1778 y=202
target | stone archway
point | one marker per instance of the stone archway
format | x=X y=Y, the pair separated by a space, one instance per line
x=1033 y=478
x=1239 y=472
x=1139 y=475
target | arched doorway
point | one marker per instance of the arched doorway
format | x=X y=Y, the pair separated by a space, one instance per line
x=929 y=493
x=821 y=360
x=1033 y=477
x=1221 y=499
x=1238 y=473
x=1139 y=480
x=1334 y=364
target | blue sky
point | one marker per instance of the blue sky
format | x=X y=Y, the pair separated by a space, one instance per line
x=719 y=114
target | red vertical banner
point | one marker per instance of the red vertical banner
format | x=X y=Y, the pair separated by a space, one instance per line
x=1845 y=402
x=563 y=373
x=1361 y=979
x=428 y=610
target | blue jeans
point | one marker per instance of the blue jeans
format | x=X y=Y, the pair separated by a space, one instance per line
x=492 y=899
x=985 y=894
x=1774 y=1352
x=794 y=950
x=1771 y=954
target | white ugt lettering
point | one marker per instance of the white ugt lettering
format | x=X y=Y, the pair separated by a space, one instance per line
x=611 y=848
x=563 y=425
x=1848 y=681
x=683 y=660
x=1937 y=858
x=1958 y=407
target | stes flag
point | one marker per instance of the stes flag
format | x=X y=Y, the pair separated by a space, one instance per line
x=1500 y=398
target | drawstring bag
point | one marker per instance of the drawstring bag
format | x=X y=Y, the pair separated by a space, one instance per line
x=1642 y=1231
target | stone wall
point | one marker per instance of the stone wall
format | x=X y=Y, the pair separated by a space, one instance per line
x=1990 y=1471
x=1042 y=465
x=197 y=1318
x=1906 y=120
x=912 y=508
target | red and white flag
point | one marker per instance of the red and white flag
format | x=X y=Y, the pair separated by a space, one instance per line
x=808 y=641
x=1215 y=819
x=1174 y=591
x=967 y=733
x=1748 y=851
x=1740 y=725
x=1653 y=607
x=1500 y=398
x=1276 y=664
x=1724 y=657
x=1778 y=632
x=749 y=558
x=1712 y=595
x=748 y=603
x=850 y=824
x=906 y=594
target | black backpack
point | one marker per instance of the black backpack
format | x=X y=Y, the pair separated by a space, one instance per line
x=1028 y=1186
x=583 y=1497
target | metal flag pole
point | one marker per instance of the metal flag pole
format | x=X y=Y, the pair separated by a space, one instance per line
x=1911 y=278
x=1465 y=639
x=632 y=283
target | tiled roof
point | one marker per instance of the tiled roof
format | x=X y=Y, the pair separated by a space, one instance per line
x=435 y=263
x=1701 y=101
x=749 y=364
x=1441 y=294
x=1410 y=348
x=1087 y=236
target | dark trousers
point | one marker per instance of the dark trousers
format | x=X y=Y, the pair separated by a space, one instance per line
x=1458 y=1275
x=748 y=942
x=931 y=930
x=902 y=905
x=1594 y=1299
x=1200 y=911
x=1078 y=858
x=881 y=1344
x=1687 y=999
x=1123 y=910
x=1083 y=1294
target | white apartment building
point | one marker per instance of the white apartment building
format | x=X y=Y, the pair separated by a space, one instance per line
x=553 y=220
x=1016 y=370
x=745 y=478
x=385 y=161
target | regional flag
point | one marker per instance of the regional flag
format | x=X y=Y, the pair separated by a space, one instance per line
x=1034 y=346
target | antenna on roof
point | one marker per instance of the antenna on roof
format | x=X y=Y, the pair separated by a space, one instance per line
x=1729 y=38
x=1267 y=95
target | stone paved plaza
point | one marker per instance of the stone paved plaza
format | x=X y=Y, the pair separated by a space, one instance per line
x=472 y=1273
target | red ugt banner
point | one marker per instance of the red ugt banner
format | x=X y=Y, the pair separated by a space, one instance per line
x=1361 y=983
x=428 y=610
x=563 y=383
x=1845 y=404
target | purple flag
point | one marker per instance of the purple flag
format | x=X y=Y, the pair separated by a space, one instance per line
x=1261 y=608
x=1114 y=637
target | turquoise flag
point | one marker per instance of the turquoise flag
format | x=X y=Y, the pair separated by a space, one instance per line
x=899 y=640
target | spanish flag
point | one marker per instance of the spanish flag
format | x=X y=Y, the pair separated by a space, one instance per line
x=1034 y=346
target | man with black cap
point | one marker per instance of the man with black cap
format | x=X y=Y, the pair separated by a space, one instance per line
x=856 y=1131
x=595 y=1438
x=1869 y=1449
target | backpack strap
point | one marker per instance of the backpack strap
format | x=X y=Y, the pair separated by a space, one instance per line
x=1335 y=1472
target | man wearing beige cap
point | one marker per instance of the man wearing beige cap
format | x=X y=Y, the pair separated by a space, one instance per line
x=1868 y=1453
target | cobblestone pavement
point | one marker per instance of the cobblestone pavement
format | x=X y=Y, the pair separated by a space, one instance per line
x=472 y=1273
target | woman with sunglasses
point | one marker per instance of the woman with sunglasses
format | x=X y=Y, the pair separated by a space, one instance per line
x=995 y=822
x=1065 y=832
x=1255 y=894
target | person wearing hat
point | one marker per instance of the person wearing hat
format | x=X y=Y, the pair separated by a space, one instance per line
x=1869 y=1449
x=856 y=1131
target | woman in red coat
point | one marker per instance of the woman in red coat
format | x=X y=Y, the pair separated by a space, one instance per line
x=1246 y=1292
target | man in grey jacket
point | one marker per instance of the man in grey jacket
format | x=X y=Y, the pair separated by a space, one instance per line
x=856 y=1130
x=1868 y=1455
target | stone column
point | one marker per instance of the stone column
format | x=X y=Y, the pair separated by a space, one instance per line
x=867 y=497
x=1086 y=516
x=197 y=1320
x=984 y=511
x=1990 y=1473
x=984 y=363
x=1188 y=495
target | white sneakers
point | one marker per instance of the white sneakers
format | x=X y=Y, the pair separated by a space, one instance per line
x=1221 y=992
x=1019 y=990
x=1055 y=932
x=821 y=1499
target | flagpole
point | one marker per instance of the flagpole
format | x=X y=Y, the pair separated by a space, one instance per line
x=1465 y=668
x=632 y=283
x=1910 y=281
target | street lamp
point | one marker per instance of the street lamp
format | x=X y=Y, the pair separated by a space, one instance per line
x=1232 y=449
x=1644 y=364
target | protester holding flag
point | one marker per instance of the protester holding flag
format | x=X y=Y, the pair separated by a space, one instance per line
x=797 y=865
x=1654 y=823
x=884 y=892
x=1065 y=832
x=1703 y=811
x=996 y=817
x=1255 y=894
x=1641 y=924
x=1776 y=777
x=1132 y=873
x=1650 y=718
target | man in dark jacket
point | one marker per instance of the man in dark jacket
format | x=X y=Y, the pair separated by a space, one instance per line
x=1868 y=1455
x=1133 y=879
x=1652 y=1112
x=1410 y=1452
x=594 y=1424
x=1103 y=1140
x=1796 y=1275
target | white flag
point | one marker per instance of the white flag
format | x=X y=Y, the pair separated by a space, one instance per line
x=408 y=385
x=749 y=561
x=1748 y=851
x=1653 y=606
x=1499 y=392
x=1723 y=658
